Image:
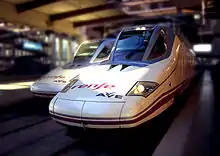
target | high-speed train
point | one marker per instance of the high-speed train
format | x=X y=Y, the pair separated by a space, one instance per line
x=149 y=66
x=89 y=52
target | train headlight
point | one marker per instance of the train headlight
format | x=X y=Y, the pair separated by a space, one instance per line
x=142 y=88
x=69 y=85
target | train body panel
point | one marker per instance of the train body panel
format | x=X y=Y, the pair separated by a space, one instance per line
x=125 y=94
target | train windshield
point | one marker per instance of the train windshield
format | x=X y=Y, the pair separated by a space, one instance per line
x=84 y=54
x=104 y=51
x=90 y=53
x=86 y=51
x=132 y=46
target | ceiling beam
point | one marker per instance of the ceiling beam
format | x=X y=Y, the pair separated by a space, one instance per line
x=34 y=19
x=33 y=4
x=139 y=2
x=127 y=18
x=102 y=7
x=103 y=20
x=113 y=5
x=185 y=3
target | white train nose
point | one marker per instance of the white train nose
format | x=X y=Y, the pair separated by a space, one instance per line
x=46 y=88
x=86 y=113
x=102 y=114
x=66 y=111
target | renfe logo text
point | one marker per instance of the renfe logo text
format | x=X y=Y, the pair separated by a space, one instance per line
x=94 y=86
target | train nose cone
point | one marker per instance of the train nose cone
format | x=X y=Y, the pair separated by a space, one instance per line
x=66 y=111
x=102 y=114
x=47 y=87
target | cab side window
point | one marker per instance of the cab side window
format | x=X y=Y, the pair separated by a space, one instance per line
x=105 y=52
x=159 y=48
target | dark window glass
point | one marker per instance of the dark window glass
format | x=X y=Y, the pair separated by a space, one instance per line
x=87 y=49
x=86 y=52
x=105 y=51
x=83 y=55
x=159 y=48
x=132 y=45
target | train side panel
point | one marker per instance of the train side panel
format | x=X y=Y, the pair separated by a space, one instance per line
x=177 y=63
x=189 y=58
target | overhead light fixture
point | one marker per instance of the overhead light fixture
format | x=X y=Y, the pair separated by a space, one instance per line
x=140 y=28
x=32 y=46
x=26 y=28
x=9 y=24
x=16 y=30
x=197 y=16
x=46 y=39
x=204 y=47
x=2 y=24
x=93 y=47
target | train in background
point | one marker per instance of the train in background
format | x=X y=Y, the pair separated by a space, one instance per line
x=89 y=52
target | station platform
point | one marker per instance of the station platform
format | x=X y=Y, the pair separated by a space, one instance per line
x=195 y=131
x=15 y=88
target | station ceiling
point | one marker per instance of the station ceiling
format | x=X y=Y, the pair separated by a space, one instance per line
x=66 y=16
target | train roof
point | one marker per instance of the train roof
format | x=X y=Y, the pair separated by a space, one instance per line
x=148 y=26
